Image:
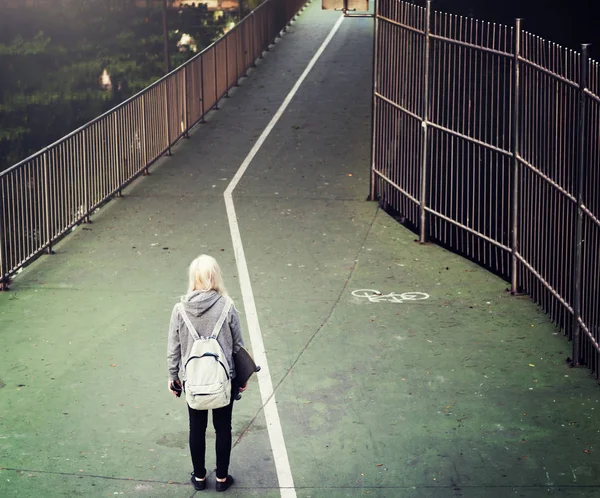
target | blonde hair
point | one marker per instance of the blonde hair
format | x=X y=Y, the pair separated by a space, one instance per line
x=204 y=275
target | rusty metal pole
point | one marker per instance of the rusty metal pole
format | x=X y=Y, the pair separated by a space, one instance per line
x=372 y=193
x=581 y=131
x=117 y=155
x=425 y=118
x=202 y=120
x=216 y=79
x=144 y=138
x=87 y=176
x=514 y=250
x=167 y=117
x=186 y=119
x=47 y=204
x=252 y=40
x=227 y=65
x=3 y=256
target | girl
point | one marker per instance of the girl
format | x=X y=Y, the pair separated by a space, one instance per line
x=203 y=304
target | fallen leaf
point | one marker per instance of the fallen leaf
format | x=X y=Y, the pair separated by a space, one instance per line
x=113 y=365
x=531 y=365
x=379 y=465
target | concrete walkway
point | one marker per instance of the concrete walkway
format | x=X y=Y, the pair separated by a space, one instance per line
x=465 y=393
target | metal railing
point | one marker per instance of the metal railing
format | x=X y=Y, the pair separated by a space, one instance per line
x=47 y=194
x=486 y=140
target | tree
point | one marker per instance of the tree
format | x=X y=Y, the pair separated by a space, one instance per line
x=53 y=56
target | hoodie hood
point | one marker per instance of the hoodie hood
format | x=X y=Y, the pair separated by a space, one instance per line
x=198 y=302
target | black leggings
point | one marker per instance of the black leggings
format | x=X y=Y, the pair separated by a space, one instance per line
x=222 y=423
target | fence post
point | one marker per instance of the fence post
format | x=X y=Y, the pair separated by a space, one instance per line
x=581 y=131
x=86 y=172
x=186 y=120
x=252 y=40
x=202 y=120
x=47 y=204
x=3 y=258
x=118 y=162
x=227 y=66
x=216 y=69
x=243 y=48
x=238 y=37
x=167 y=117
x=265 y=28
x=144 y=139
x=516 y=103
x=372 y=193
x=424 y=176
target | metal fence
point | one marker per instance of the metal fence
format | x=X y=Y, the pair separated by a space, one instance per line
x=487 y=140
x=44 y=196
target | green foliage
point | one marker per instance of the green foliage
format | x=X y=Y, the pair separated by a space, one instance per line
x=52 y=57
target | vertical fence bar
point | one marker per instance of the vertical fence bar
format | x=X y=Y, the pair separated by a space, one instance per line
x=515 y=159
x=86 y=175
x=47 y=204
x=166 y=85
x=203 y=111
x=372 y=194
x=216 y=70
x=3 y=252
x=424 y=176
x=252 y=36
x=186 y=120
x=144 y=139
x=117 y=162
x=238 y=35
x=227 y=65
x=581 y=131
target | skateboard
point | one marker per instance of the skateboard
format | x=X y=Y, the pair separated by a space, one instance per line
x=244 y=366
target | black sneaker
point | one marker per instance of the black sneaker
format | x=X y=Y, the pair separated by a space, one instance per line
x=223 y=486
x=198 y=485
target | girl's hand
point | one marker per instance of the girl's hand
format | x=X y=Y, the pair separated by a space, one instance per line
x=177 y=383
x=244 y=387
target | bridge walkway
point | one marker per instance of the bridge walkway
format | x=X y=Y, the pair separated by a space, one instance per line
x=465 y=393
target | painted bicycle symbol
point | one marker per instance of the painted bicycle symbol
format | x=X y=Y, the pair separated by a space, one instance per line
x=374 y=296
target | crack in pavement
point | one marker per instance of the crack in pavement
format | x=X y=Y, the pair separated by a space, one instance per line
x=316 y=333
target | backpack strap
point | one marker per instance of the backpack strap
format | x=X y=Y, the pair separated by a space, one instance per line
x=218 y=326
x=188 y=323
x=224 y=313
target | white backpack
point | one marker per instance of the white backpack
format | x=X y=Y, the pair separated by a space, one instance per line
x=207 y=373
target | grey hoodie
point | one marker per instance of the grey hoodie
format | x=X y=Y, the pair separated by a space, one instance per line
x=203 y=308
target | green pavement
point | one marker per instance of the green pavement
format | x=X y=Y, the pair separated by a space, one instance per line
x=463 y=394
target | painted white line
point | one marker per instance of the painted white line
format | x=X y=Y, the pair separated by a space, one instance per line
x=280 y=456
